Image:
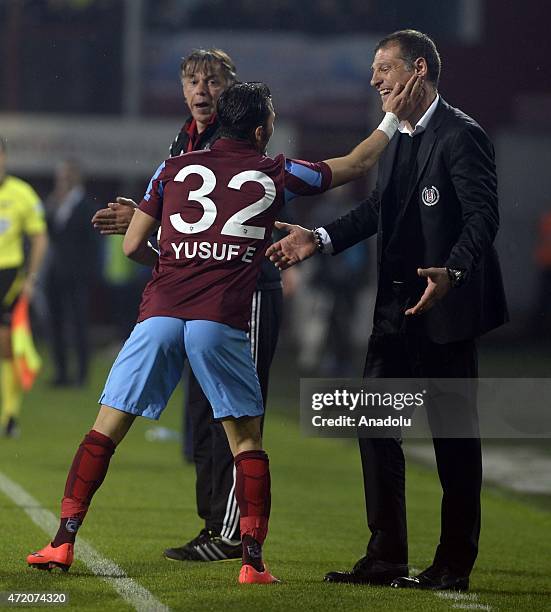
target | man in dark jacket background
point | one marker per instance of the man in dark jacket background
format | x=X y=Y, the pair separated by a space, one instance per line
x=71 y=263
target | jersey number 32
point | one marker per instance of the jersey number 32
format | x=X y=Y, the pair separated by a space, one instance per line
x=235 y=225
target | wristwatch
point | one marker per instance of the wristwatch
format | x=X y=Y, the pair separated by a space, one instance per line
x=456 y=276
x=319 y=241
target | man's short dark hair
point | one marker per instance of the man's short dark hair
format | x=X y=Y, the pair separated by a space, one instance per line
x=242 y=108
x=413 y=45
x=204 y=60
x=3 y=145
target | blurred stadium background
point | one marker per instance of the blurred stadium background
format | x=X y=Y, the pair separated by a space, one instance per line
x=97 y=81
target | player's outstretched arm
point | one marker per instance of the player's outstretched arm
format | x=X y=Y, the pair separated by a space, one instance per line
x=399 y=105
x=135 y=244
x=116 y=218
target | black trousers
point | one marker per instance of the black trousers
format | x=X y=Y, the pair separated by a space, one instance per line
x=459 y=460
x=215 y=472
x=68 y=303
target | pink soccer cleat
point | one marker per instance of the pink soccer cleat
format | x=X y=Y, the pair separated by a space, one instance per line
x=248 y=575
x=49 y=557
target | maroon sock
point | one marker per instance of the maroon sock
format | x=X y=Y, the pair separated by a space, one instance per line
x=84 y=479
x=252 y=553
x=67 y=531
x=252 y=492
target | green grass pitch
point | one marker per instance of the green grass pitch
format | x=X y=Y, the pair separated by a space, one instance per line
x=147 y=503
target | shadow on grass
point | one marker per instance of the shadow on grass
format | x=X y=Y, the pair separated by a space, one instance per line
x=512 y=593
x=512 y=573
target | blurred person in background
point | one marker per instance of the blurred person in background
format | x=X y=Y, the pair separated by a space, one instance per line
x=72 y=263
x=124 y=280
x=327 y=331
x=435 y=213
x=327 y=296
x=21 y=215
x=542 y=256
x=204 y=75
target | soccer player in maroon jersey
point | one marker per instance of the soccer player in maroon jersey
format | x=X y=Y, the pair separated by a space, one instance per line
x=216 y=210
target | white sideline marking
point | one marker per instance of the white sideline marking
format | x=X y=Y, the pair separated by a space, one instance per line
x=463 y=601
x=457 y=596
x=133 y=593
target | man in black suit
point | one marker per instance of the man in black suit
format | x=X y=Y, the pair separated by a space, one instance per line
x=71 y=264
x=435 y=213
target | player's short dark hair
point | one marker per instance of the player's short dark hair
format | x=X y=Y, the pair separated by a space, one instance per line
x=413 y=45
x=242 y=108
x=3 y=145
x=203 y=60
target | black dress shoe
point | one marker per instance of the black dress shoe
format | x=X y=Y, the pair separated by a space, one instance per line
x=435 y=579
x=369 y=571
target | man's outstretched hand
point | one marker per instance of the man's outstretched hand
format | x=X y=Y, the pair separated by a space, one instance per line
x=299 y=245
x=438 y=284
x=116 y=218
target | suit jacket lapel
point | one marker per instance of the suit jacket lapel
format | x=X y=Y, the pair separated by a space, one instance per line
x=425 y=149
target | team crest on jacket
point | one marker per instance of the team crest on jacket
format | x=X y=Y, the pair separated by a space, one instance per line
x=430 y=195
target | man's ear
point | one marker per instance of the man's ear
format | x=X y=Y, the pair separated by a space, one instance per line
x=420 y=67
x=259 y=133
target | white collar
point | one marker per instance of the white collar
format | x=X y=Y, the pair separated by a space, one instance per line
x=421 y=125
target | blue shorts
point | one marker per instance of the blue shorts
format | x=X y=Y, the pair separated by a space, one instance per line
x=151 y=362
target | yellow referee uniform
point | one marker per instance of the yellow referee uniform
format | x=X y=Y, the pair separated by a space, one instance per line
x=21 y=214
